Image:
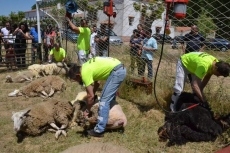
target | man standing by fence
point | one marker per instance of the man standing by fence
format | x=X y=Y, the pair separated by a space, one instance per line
x=83 y=41
x=194 y=41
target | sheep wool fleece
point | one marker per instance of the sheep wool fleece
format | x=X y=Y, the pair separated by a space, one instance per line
x=44 y=113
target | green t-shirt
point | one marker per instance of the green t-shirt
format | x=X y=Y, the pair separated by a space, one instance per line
x=198 y=63
x=58 y=55
x=83 y=41
x=98 y=68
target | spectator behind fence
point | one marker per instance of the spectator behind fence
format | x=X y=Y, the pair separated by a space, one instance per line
x=22 y=34
x=141 y=31
x=83 y=41
x=4 y=34
x=57 y=54
x=135 y=44
x=34 y=36
x=201 y=66
x=102 y=41
x=49 y=40
x=93 y=44
x=149 y=46
x=194 y=41
x=10 y=53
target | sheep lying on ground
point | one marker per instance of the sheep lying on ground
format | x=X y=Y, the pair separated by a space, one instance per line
x=52 y=115
x=44 y=87
x=37 y=71
x=195 y=124
x=117 y=118
x=22 y=76
x=97 y=147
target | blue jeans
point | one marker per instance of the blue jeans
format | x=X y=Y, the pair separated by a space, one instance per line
x=108 y=95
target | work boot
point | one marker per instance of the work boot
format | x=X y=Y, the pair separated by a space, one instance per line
x=95 y=134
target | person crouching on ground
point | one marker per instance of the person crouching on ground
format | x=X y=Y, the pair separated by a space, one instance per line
x=201 y=66
x=94 y=70
x=57 y=54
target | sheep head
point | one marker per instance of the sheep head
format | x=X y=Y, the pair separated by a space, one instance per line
x=19 y=119
x=15 y=93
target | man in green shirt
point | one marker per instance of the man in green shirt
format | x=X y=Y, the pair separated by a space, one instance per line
x=57 y=54
x=83 y=41
x=94 y=70
x=201 y=66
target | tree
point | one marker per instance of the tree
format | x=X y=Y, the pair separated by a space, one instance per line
x=205 y=23
x=149 y=11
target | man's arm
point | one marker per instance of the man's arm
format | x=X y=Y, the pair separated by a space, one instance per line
x=72 y=26
x=96 y=86
x=205 y=81
x=196 y=86
x=90 y=96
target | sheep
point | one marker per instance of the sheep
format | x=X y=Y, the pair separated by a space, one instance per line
x=52 y=115
x=97 y=147
x=44 y=87
x=37 y=70
x=21 y=77
x=195 y=124
x=117 y=118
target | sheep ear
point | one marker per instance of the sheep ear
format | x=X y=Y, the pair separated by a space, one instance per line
x=26 y=112
x=13 y=112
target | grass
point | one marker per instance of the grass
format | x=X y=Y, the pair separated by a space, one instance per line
x=142 y=111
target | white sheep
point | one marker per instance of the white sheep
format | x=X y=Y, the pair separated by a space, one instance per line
x=52 y=115
x=20 y=77
x=44 y=87
x=117 y=118
x=37 y=71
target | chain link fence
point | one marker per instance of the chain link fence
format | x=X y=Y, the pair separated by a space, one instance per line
x=128 y=42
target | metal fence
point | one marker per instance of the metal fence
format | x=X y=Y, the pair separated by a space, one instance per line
x=211 y=18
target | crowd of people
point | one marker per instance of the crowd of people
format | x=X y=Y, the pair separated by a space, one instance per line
x=15 y=42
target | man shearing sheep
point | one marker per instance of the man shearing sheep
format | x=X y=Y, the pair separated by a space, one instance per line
x=94 y=70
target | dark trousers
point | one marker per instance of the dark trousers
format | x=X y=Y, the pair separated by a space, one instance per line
x=20 y=57
x=149 y=65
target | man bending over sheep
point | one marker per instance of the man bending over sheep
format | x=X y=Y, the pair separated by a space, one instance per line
x=200 y=66
x=57 y=54
x=101 y=68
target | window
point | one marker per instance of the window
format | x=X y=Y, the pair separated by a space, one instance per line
x=131 y=19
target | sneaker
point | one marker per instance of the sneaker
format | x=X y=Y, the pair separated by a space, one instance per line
x=172 y=107
x=95 y=134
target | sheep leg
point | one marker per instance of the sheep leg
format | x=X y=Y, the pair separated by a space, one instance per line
x=51 y=92
x=53 y=125
x=52 y=130
x=44 y=93
x=59 y=132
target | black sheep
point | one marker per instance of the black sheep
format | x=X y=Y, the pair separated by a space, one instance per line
x=193 y=125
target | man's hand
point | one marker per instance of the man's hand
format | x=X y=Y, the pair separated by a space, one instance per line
x=205 y=105
x=67 y=19
x=86 y=113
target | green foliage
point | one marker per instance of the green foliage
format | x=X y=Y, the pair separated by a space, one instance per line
x=205 y=23
x=13 y=17
x=150 y=11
